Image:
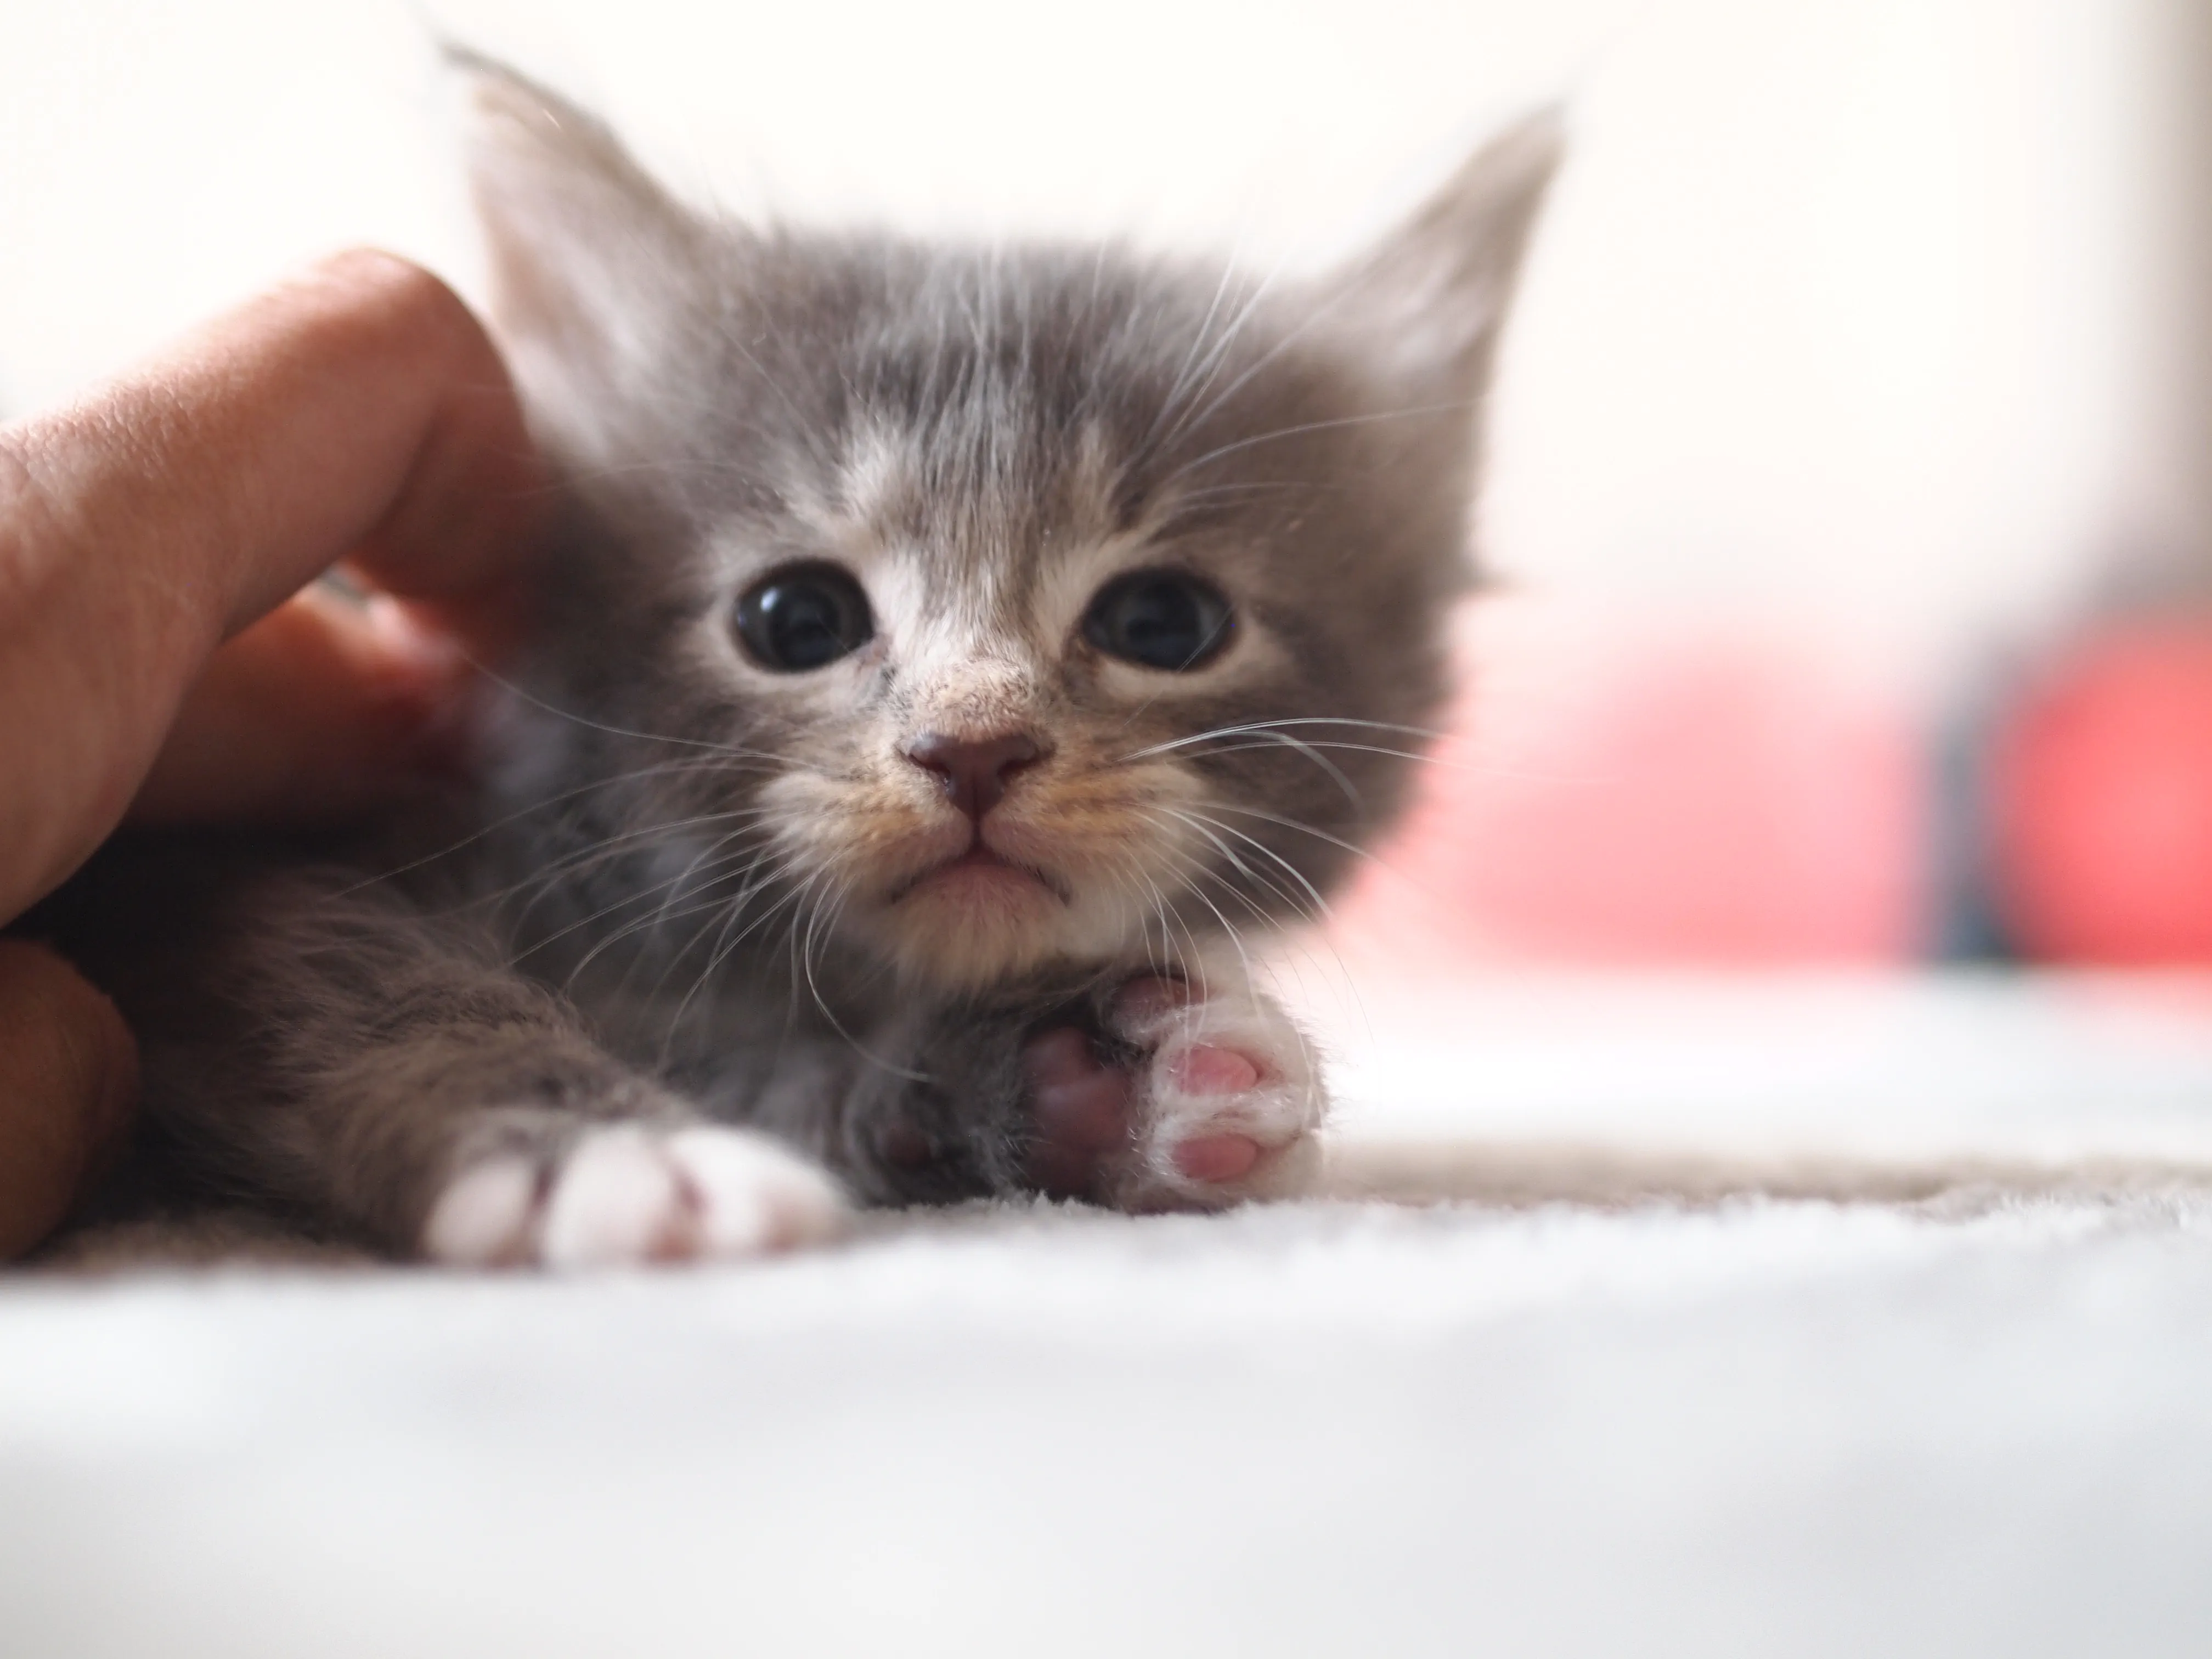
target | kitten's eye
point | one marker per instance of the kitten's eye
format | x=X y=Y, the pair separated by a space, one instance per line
x=1159 y=619
x=804 y=616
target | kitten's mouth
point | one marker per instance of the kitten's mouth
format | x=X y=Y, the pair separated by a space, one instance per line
x=982 y=868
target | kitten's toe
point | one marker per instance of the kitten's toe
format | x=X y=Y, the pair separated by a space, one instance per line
x=1231 y=1099
x=627 y=1195
x=748 y=1195
x=617 y=1200
x=487 y=1218
x=1217 y=1157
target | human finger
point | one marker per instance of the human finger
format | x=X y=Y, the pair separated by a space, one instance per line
x=325 y=709
x=359 y=408
x=69 y=1076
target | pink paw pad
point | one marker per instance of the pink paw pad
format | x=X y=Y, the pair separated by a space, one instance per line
x=1205 y=1070
x=1082 y=1111
x=1217 y=1157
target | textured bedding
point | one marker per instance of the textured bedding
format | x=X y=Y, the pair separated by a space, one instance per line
x=1654 y=1317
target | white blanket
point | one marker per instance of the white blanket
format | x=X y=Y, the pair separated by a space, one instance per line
x=1955 y=1397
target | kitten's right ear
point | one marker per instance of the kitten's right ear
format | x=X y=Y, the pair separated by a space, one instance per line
x=1434 y=294
x=591 y=261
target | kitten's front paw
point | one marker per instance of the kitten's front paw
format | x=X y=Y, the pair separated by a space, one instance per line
x=1217 y=1103
x=627 y=1194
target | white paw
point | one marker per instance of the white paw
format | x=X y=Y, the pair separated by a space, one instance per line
x=1227 y=1099
x=629 y=1193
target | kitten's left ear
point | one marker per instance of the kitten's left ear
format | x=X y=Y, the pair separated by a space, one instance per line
x=1432 y=295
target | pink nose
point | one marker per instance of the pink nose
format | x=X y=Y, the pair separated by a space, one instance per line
x=974 y=775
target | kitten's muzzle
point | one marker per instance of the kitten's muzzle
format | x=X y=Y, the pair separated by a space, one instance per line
x=978 y=856
x=975 y=773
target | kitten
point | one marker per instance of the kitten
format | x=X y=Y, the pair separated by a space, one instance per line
x=946 y=660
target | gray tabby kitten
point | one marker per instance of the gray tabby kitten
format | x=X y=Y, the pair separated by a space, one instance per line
x=944 y=655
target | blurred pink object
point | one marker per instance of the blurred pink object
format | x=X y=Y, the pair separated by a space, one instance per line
x=2101 y=801
x=1613 y=795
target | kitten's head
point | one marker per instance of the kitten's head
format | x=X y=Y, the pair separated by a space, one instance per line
x=998 y=604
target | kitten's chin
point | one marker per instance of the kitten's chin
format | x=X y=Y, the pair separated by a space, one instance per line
x=969 y=923
x=976 y=920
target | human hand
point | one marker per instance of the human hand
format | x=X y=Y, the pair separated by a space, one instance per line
x=152 y=660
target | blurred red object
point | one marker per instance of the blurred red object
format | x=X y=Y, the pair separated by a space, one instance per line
x=2100 y=801
x=1643 y=794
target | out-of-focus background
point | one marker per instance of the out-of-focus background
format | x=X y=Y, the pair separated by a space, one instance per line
x=1851 y=481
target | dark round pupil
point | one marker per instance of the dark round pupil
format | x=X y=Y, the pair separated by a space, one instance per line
x=1161 y=621
x=803 y=620
x=805 y=624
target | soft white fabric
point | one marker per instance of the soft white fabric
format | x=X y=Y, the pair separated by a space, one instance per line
x=1979 y=1423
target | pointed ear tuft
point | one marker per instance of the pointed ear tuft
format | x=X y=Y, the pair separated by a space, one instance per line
x=592 y=262
x=1434 y=293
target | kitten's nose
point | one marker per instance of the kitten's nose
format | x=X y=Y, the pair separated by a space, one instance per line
x=974 y=773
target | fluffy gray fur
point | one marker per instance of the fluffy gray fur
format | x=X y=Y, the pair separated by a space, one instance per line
x=686 y=889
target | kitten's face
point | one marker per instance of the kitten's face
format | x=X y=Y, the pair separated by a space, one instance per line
x=1040 y=604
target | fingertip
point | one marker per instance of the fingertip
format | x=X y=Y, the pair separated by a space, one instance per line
x=405 y=646
x=402 y=434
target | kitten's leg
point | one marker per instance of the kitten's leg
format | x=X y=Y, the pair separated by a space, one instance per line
x=1140 y=1092
x=1203 y=1093
x=370 y=1068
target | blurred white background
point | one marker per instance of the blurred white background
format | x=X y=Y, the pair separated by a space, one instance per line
x=1844 y=309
